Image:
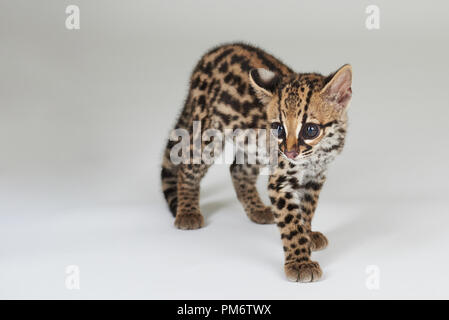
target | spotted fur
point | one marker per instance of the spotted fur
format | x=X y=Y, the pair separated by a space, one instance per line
x=238 y=86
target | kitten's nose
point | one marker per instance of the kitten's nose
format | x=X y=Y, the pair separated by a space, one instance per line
x=291 y=154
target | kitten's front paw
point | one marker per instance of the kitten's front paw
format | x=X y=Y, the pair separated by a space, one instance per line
x=306 y=271
x=189 y=221
x=319 y=241
x=262 y=216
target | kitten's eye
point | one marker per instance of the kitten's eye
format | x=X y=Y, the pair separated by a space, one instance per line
x=279 y=128
x=310 y=131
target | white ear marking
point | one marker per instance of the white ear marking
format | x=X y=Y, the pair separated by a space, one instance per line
x=266 y=75
x=264 y=83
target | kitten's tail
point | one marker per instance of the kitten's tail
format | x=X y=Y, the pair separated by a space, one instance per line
x=169 y=177
x=169 y=173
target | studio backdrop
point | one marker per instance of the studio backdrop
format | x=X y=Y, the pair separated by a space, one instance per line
x=89 y=91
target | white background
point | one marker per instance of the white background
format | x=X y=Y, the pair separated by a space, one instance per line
x=83 y=120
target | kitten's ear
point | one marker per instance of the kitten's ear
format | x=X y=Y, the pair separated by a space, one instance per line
x=338 y=87
x=264 y=83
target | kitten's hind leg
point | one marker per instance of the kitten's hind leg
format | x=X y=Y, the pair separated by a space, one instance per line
x=244 y=177
x=188 y=215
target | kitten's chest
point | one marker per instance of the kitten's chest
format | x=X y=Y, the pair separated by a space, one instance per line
x=309 y=170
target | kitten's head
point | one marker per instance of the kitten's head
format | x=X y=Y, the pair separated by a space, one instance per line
x=308 y=111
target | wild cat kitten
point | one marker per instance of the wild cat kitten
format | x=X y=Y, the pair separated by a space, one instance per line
x=240 y=86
